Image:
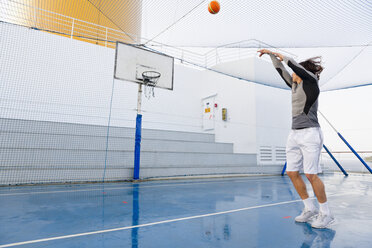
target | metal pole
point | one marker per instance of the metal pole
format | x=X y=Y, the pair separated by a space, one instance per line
x=335 y=160
x=216 y=57
x=106 y=39
x=348 y=145
x=72 y=28
x=284 y=168
x=139 y=99
x=328 y=122
x=35 y=16
x=137 y=146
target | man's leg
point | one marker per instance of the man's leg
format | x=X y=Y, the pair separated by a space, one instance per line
x=325 y=218
x=318 y=187
x=311 y=148
x=298 y=183
x=294 y=163
x=310 y=210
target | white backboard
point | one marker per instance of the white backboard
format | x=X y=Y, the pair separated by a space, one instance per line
x=131 y=61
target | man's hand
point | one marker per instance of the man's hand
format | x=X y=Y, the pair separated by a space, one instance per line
x=265 y=51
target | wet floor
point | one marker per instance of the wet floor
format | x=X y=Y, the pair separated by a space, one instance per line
x=231 y=212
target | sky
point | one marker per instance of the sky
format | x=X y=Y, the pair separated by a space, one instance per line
x=350 y=112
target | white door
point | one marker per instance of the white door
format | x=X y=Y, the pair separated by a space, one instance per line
x=208 y=112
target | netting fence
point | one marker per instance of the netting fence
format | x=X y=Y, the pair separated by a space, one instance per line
x=64 y=119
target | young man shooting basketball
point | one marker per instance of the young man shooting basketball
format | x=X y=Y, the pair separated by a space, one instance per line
x=305 y=140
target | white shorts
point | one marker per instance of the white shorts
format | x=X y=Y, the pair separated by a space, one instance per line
x=303 y=150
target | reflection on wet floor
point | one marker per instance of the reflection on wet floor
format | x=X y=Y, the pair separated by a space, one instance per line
x=231 y=212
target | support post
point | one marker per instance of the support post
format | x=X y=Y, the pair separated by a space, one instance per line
x=335 y=160
x=138 y=137
x=348 y=145
x=284 y=168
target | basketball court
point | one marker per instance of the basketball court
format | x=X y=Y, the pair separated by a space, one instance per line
x=156 y=124
x=231 y=212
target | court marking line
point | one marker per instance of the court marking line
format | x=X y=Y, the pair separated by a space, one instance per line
x=120 y=188
x=155 y=223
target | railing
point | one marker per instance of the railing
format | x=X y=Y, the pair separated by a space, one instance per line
x=348 y=161
x=31 y=16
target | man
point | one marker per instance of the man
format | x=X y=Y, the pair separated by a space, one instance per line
x=305 y=140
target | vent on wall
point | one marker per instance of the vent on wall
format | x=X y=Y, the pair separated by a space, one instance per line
x=266 y=154
x=280 y=154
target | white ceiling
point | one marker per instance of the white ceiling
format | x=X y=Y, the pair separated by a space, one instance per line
x=338 y=30
x=285 y=23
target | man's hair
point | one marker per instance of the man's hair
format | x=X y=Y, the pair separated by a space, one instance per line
x=313 y=65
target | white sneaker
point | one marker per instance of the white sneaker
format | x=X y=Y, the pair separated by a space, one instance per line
x=306 y=215
x=323 y=220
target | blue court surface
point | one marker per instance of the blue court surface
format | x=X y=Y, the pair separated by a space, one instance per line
x=228 y=212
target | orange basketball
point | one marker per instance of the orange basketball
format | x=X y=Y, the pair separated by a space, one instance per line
x=214 y=7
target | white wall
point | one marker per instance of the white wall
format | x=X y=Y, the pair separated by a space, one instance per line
x=52 y=78
x=239 y=98
x=274 y=118
x=257 y=115
x=170 y=110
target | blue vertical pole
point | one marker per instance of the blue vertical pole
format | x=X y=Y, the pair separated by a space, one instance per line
x=356 y=154
x=137 y=147
x=335 y=160
x=284 y=168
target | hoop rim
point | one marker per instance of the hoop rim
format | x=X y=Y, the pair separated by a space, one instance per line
x=157 y=74
x=150 y=80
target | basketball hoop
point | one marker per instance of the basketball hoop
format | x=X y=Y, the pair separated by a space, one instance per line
x=144 y=67
x=150 y=79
